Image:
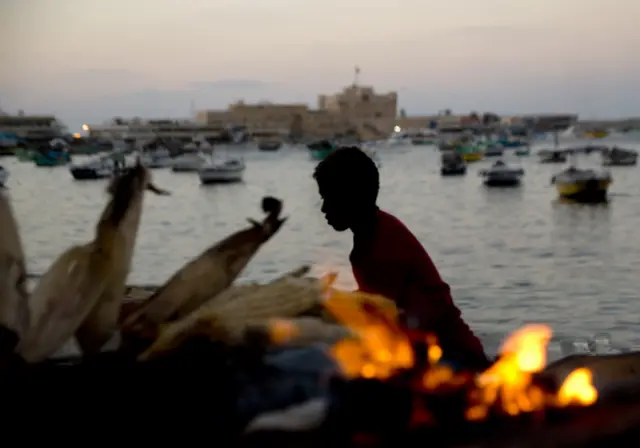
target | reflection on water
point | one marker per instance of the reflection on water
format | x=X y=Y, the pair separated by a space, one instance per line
x=511 y=255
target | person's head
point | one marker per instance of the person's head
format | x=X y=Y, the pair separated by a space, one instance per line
x=348 y=181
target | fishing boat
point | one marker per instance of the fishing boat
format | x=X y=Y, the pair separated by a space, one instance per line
x=102 y=168
x=619 y=157
x=512 y=142
x=523 y=151
x=24 y=154
x=494 y=151
x=269 y=145
x=553 y=156
x=188 y=162
x=596 y=134
x=502 y=174
x=586 y=186
x=321 y=149
x=156 y=158
x=426 y=137
x=222 y=171
x=4 y=176
x=470 y=152
x=452 y=164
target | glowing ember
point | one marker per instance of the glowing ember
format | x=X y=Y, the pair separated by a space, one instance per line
x=381 y=348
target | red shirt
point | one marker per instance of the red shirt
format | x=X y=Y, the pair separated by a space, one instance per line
x=398 y=267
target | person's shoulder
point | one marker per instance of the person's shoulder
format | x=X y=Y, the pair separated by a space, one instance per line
x=395 y=231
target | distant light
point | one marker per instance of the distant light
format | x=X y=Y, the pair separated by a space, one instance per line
x=397 y=129
x=76 y=135
x=85 y=127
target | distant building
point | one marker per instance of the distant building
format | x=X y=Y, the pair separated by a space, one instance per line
x=31 y=128
x=357 y=110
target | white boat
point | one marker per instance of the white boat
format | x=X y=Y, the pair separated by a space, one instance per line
x=188 y=162
x=502 y=175
x=222 y=171
x=619 y=157
x=101 y=168
x=398 y=139
x=156 y=158
x=4 y=176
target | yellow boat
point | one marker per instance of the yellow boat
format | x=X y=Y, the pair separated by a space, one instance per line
x=472 y=156
x=596 y=134
x=585 y=186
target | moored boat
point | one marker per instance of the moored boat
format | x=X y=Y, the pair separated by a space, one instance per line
x=619 y=157
x=553 y=156
x=222 y=171
x=188 y=162
x=269 y=145
x=502 y=175
x=24 y=154
x=321 y=149
x=156 y=158
x=494 y=151
x=523 y=151
x=586 y=186
x=102 y=168
x=470 y=152
x=4 y=176
x=452 y=164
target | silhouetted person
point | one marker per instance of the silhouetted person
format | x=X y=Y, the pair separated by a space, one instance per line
x=387 y=259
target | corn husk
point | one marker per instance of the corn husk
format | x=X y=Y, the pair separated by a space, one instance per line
x=102 y=322
x=207 y=275
x=14 y=299
x=288 y=297
x=72 y=287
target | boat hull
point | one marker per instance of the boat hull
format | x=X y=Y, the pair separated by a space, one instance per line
x=502 y=181
x=4 y=176
x=589 y=191
x=523 y=151
x=458 y=170
x=220 y=176
x=81 y=173
x=620 y=162
x=494 y=152
x=59 y=160
x=472 y=156
x=269 y=146
x=319 y=154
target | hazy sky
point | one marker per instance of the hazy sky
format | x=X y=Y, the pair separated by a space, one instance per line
x=87 y=61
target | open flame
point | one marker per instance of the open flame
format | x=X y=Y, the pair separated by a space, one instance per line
x=381 y=348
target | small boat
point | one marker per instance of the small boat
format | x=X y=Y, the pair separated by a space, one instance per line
x=494 y=151
x=586 y=186
x=596 y=134
x=24 y=154
x=4 y=176
x=51 y=157
x=225 y=171
x=156 y=158
x=269 y=145
x=470 y=153
x=523 y=151
x=102 y=168
x=321 y=149
x=424 y=138
x=398 y=138
x=619 y=157
x=553 y=156
x=188 y=162
x=512 y=142
x=452 y=164
x=502 y=175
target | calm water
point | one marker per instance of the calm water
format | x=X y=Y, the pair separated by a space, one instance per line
x=511 y=256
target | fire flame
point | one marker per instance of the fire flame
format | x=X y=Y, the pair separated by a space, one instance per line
x=381 y=348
